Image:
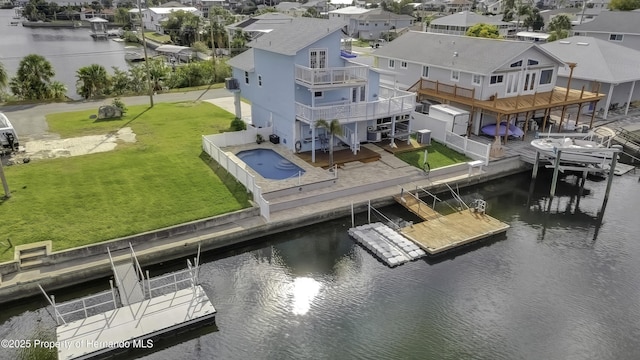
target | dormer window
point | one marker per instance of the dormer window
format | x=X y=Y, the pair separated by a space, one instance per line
x=516 y=64
x=532 y=62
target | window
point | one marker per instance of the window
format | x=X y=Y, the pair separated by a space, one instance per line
x=615 y=37
x=496 y=79
x=546 y=76
x=403 y=64
x=318 y=58
x=318 y=94
x=476 y=79
x=532 y=62
x=392 y=63
x=455 y=75
x=425 y=72
x=516 y=64
x=246 y=77
x=361 y=23
x=259 y=80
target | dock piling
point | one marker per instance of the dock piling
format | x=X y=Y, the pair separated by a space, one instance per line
x=555 y=173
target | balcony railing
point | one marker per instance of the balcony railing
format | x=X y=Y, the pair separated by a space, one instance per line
x=438 y=88
x=331 y=76
x=392 y=102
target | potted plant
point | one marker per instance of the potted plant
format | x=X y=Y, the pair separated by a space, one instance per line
x=259 y=139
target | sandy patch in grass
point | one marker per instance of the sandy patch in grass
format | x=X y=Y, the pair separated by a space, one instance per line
x=48 y=149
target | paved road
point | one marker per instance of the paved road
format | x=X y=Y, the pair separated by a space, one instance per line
x=29 y=119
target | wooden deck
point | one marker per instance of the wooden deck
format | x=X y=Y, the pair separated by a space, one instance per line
x=340 y=157
x=439 y=232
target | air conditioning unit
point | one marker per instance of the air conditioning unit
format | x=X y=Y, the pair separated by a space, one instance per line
x=424 y=137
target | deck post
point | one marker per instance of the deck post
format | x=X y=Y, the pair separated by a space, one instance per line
x=369 y=213
x=564 y=111
x=579 y=112
x=544 y=119
x=526 y=122
x=353 y=223
x=534 y=174
x=614 y=161
x=593 y=114
x=571 y=67
x=555 y=173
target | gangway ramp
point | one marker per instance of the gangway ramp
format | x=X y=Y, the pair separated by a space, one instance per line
x=129 y=286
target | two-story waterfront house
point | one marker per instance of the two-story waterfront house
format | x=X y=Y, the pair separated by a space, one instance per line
x=496 y=80
x=619 y=27
x=297 y=74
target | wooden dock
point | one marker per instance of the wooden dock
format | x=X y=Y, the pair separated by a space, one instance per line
x=438 y=233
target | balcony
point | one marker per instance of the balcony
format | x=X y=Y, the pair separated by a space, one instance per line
x=325 y=77
x=392 y=102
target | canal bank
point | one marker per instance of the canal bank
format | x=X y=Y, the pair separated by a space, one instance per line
x=74 y=266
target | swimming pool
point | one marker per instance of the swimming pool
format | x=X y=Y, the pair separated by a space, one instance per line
x=269 y=164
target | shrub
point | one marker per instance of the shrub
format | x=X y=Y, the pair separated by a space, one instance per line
x=117 y=102
x=237 y=124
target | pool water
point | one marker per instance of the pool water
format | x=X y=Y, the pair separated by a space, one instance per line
x=269 y=164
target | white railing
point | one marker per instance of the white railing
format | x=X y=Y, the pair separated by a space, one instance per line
x=234 y=166
x=331 y=76
x=473 y=149
x=385 y=107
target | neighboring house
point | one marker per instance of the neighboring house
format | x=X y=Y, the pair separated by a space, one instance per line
x=372 y=24
x=454 y=6
x=490 y=78
x=531 y=36
x=458 y=24
x=152 y=17
x=338 y=4
x=296 y=75
x=346 y=14
x=612 y=68
x=290 y=8
x=621 y=27
x=205 y=5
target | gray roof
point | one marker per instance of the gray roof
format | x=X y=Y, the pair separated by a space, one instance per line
x=286 y=5
x=463 y=53
x=244 y=61
x=380 y=14
x=620 y=22
x=301 y=32
x=467 y=18
x=265 y=21
x=596 y=59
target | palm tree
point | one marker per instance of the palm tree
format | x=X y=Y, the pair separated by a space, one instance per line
x=57 y=90
x=33 y=77
x=332 y=128
x=92 y=80
x=3 y=76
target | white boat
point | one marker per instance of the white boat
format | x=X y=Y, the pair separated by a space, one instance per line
x=574 y=150
x=8 y=136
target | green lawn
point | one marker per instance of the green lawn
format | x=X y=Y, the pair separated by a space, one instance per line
x=152 y=35
x=159 y=181
x=438 y=156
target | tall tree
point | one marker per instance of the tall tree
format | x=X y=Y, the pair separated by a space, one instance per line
x=3 y=76
x=182 y=26
x=559 y=27
x=92 y=80
x=32 y=79
x=332 y=128
x=535 y=21
x=484 y=30
x=624 y=5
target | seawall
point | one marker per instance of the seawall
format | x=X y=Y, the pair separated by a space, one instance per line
x=74 y=266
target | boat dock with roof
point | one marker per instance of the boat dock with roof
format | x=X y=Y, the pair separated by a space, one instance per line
x=131 y=315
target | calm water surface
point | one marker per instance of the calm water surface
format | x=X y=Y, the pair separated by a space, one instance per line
x=561 y=285
x=66 y=49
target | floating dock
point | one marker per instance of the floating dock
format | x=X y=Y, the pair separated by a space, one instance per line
x=438 y=233
x=386 y=243
x=133 y=315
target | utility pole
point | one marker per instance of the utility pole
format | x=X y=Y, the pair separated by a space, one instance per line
x=146 y=58
x=7 y=193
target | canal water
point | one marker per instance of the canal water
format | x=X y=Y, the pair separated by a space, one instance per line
x=563 y=283
x=66 y=49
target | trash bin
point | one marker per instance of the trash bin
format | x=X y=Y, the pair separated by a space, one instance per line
x=275 y=139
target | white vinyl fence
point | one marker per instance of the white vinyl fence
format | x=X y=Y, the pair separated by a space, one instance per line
x=211 y=145
x=471 y=148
